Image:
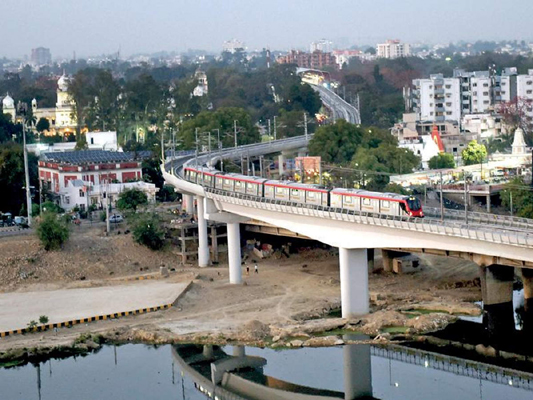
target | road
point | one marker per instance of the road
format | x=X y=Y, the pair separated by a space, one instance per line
x=338 y=106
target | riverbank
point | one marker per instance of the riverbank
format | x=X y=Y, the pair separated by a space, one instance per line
x=290 y=302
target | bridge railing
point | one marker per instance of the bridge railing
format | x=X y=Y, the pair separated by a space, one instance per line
x=446 y=228
x=506 y=221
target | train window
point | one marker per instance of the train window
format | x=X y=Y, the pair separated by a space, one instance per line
x=279 y=190
x=385 y=204
x=227 y=181
x=295 y=192
x=238 y=184
x=348 y=199
x=367 y=202
x=311 y=195
x=414 y=203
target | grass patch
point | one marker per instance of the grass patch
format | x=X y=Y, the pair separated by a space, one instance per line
x=335 y=313
x=422 y=311
x=11 y=364
x=395 y=329
x=336 y=332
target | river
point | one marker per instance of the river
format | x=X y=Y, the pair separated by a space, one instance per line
x=136 y=371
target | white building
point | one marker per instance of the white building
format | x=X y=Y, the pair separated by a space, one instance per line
x=437 y=99
x=323 y=45
x=524 y=90
x=393 y=49
x=484 y=126
x=83 y=194
x=232 y=46
x=424 y=147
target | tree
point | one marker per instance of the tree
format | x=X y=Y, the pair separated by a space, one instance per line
x=521 y=195
x=370 y=50
x=441 y=160
x=52 y=232
x=147 y=231
x=515 y=114
x=42 y=125
x=336 y=143
x=474 y=153
x=129 y=200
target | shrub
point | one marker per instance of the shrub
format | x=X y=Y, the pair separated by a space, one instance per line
x=52 y=232
x=147 y=231
x=131 y=199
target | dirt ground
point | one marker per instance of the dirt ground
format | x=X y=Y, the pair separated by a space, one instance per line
x=286 y=293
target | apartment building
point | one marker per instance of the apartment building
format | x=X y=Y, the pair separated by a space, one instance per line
x=437 y=99
x=524 y=90
x=317 y=59
x=393 y=49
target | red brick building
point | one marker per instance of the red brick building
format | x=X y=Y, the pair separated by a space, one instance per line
x=315 y=60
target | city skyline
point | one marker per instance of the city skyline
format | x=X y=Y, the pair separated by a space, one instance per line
x=130 y=26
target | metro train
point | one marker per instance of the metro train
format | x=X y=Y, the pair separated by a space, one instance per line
x=316 y=195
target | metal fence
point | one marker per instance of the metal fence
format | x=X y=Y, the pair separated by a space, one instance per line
x=426 y=225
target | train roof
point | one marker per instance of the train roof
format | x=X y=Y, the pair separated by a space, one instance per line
x=367 y=193
x=297 y=185
x=205 y=169
x=234 y=176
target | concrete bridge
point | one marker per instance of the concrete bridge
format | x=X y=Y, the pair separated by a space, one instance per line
x=495 y=245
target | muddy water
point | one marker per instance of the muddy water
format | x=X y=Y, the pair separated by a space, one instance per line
x=166 y=372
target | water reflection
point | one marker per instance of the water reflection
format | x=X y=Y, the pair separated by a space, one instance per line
x=195 y=372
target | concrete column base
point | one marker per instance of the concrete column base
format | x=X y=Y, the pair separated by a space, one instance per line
x=234 y=253
x=188 y=203
x=497 y=293
x=388 y=257
x=527 y=280
x=203 y=247
x=357 y=369
x=354 y=282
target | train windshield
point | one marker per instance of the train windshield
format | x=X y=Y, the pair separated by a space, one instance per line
x=414 y=204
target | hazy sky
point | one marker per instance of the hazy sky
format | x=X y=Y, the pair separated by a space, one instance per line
x=92 y=27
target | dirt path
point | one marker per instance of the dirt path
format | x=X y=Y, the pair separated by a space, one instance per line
x=284 y=293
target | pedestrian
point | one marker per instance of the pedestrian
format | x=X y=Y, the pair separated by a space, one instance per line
x=247 y=270
x=256 y=270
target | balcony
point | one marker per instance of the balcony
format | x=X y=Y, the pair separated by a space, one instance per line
x=440 y=118
x=439 y=91
x=439 y=109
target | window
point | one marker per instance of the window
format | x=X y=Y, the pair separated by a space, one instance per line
x=485 y=93
x=448 y=113
x=431 y=113
x=348 y=199
x=279 y=190
x=486 y=102
x=448 y=86
x=485 y=85
x=367 y=202
x=227 y=181
x=82 y=193
x=238 y=184
x=474 y=85
x=67 y=200
x=504 y=83
x=529 y=91
x=311 y=195
x=385 y=204
x=448 y=104
x=529 y=83
x=295 y=192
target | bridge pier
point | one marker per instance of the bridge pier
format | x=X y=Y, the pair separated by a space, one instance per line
x=527 y=280
x=357 y=369
x=388 y=257
x=188 y=200
x=234 y=253
x=497 y=293
x=281 y=162
x=203 y=248
x=354 y=282
x=238 y=351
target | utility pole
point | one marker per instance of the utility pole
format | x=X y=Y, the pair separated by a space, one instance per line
x=163 y=146
x=261 y=165
x=305 y=125
x=196 y=152
x=108 y=227
x=269 y=127
x=441 y=199
x=235 y=131
x=511 y=201
x=275 y=129
x=26 y=173
x=466 y=198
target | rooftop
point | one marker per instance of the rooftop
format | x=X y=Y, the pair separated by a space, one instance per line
x=95 y=156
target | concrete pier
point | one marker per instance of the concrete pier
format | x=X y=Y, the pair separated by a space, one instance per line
x=203 y=248
x=234 y=253
x=354 y=282
x=357 y=369
x=188 y=201
x=497 y=293
x=281 y=161
x=527 y=280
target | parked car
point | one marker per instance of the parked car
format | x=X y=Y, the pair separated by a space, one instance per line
x=19 y=221
x=116 y=218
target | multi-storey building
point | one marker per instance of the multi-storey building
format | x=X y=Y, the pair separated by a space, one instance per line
x=41 y=56
x=323 y=45
x=88 y=170
x=524 y=91
x=393 y=49
x=232 y=46
x=437 y=99
x=315 y=60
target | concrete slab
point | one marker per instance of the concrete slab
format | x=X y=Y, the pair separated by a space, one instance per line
x=18 y=309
